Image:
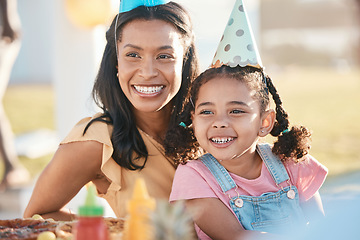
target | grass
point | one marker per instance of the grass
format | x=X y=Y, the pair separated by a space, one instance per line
x=30 y=107
x=327 y=102
x=323 y=100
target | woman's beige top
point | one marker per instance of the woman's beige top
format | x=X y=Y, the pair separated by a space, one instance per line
x=158 y=172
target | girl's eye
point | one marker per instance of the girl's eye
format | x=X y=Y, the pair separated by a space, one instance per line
x=236 y=111
x=205 y=112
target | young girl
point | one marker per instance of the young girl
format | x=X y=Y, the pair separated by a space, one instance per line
x=266 y=188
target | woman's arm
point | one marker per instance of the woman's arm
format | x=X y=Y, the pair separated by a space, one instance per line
x=218 y=222
x=73 y=166
x=313 y=208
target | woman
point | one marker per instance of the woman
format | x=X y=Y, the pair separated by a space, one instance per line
x=142 y=82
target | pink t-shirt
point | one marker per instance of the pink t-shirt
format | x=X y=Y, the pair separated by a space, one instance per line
x=194 y=180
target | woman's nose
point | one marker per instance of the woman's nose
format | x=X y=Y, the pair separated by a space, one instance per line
x=148 y=69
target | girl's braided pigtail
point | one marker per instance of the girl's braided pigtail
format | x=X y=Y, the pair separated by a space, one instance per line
x=282 y=119
x=292 y=143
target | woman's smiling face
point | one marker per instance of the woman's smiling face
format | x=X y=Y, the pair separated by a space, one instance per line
x=150 y=60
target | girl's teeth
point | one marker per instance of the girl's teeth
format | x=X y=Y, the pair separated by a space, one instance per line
x=221 y=140
x=148 y=90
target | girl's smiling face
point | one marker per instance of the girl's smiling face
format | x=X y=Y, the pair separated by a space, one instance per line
x=226 y=120
x=150 y=65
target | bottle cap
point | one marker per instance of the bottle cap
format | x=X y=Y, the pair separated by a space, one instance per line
x=91 y=208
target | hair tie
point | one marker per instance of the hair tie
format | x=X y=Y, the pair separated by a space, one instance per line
x=285 y=131
x=182 y=124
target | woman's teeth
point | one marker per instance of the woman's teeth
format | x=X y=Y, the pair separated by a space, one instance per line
x=148 y=90
x=221 y=140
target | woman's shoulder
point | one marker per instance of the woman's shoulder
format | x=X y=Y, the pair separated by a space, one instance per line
x=95 y=142
x=97 y=131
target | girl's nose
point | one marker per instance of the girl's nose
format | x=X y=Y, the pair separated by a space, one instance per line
x=148 y=69
x=220 y=122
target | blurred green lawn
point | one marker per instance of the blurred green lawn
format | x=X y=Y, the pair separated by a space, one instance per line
x=328 y=103
x=30 y=107
x=323 y=100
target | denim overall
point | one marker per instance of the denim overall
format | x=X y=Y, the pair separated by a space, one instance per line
x=272 y=211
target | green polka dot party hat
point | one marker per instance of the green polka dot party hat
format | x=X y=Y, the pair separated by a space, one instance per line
x=237 y=45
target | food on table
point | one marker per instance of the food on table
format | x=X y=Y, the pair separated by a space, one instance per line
x=47 y=235
x=167 y=222
x=37 y=217
x=25 y=228
x=30 y=229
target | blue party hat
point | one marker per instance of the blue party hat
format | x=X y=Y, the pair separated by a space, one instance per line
x=237 y=46
x=127 y=5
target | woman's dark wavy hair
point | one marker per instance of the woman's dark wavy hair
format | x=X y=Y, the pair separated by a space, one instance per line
x=109 y=96
x=294 y=143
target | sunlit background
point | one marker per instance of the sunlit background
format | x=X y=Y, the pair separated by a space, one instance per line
x=310 y=48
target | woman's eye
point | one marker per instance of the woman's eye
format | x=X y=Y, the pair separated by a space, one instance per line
x=165 y=56
x=134 y=55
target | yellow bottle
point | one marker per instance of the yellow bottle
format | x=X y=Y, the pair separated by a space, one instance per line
x=138 y=225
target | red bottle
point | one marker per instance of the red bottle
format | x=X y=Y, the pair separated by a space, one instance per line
x=91 y=224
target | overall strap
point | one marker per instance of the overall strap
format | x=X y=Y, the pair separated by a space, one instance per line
x=273 y=163
x=221 y=175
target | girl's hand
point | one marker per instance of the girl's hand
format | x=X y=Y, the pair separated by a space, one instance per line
x=218 y=222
